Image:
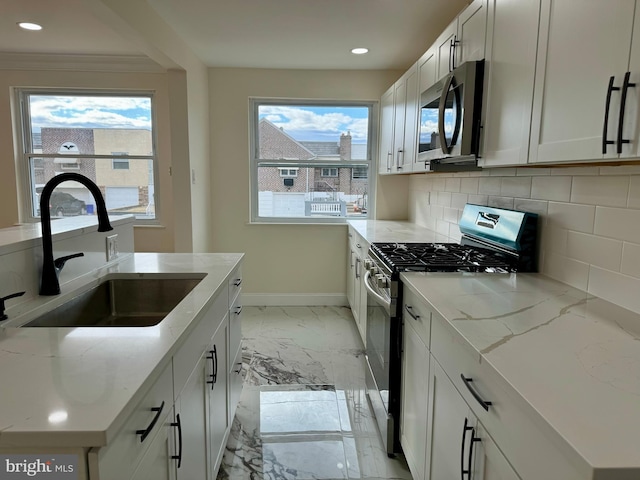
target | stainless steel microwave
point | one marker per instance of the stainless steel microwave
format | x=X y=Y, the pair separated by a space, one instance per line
x=449 y=130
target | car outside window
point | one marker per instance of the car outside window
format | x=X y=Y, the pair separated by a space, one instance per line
x=310 y=160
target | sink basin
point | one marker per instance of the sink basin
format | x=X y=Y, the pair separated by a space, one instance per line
x=122 y=302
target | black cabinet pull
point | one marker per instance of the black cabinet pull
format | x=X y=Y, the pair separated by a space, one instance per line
x=483 y=403
x=409 y=310
x=178 y=424
x=238 y=310
x=465 y=429
x=214 y=366
x=623 y=101
x=238 y=282
x=474 y=439
x=607 y=107
x=239 y=365
x=145 y=433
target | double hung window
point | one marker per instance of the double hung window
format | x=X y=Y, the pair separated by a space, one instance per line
x=310 y=160
x=104 y=135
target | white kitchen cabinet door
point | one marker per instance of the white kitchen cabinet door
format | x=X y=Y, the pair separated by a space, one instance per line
x=450 y=428
x=581 y=45
x=351 y=270
x=412 y=107
x=190 y=427
x=216 y=399
x=157 y=464
x=631 y=121
x=427 y=69
x=488 y=460
x=385 y=152
x=444 y=46
x=415 y=391
x=512 y=40
x=470 y=39
x=399 y=110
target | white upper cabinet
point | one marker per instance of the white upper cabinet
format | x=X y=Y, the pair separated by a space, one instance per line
x=463 y=40
x=385 y=152
x=583 y=54
x=512 y=35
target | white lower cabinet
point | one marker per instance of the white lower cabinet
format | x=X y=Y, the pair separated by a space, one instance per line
x=217 y=419
x=356 y=292
x=157 y=463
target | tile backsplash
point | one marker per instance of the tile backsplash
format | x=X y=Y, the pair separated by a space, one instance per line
x=589 y=219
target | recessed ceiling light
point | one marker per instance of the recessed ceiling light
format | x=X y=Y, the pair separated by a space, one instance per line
x=29 y=26
x=359 y=51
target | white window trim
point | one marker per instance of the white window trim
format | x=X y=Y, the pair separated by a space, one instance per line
x=289 y=170
x=26 y=204
x=330 y=175
x=254 y=161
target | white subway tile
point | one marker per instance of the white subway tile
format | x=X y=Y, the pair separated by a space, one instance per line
x=442 y=227
x=490 y=185
x=469 y=185
x=551 y=188
x=454 y=233
x=631 y=259
x=554 y=239
x=634 y=192
x=500 y=202
x=620 y=170
x=503 y=172
x=478 y=173
x=444 y=199
x=615 y=287
x=575 y=171
x=620 y=223
x=459 y=200
x=533 y=206
x=479 y=199
x=599 y=251
x=571 y=216
x=451 y=214
x=452 y=184
x=438 y=184
x=566 y=270
x=532 y=172
x=516 y=187
x=437 y=212
x=601 y=190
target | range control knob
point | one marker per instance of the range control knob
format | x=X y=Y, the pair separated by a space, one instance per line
x=368 y=263
x=381 y=280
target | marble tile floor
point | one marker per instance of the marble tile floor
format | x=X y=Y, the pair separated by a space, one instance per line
x=303 y=413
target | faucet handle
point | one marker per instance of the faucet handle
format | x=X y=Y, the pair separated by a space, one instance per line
x=3 y=316
x=59 y=262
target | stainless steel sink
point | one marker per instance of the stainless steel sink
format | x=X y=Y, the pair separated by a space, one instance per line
x=129 y=302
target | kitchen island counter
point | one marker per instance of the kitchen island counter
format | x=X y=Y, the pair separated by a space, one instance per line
x=74 y=387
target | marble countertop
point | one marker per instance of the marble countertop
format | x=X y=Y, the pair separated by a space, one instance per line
x=573 y=358
x=76 y=386
x=395 y=231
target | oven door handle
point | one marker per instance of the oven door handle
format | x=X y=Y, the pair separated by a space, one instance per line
x=382 y=300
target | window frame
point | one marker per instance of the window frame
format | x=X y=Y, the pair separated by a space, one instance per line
x=330 y=173
x=255 y=162
x=24 y=135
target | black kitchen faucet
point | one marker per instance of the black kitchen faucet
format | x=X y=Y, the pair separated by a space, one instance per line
x=49 y=284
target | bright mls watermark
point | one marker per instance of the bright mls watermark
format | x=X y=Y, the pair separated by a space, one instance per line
x=50 y=467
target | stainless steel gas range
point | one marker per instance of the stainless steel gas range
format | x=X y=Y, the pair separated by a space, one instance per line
x=494 y=241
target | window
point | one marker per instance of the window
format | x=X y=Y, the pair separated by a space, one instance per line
x=288 y=172
x=97 y=134
x=320 y=144
x=329 y=172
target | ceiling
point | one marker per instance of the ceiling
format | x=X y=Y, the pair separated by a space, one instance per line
x=307 y=34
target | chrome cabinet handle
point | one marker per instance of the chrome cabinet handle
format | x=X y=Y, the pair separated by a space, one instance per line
x=145 y=433
x=483 y=403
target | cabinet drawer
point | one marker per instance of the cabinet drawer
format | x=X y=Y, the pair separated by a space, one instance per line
x=120 y=458
x=187 y=356
x=416 y=313
x=235 y=284
x=236 y=379
x=530 y=444
x=357 y=243
x=235 y=327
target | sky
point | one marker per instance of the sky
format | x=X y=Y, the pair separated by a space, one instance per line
x=89 y=112
x=319 y=123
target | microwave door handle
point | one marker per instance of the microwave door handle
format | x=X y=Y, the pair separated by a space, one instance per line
x=623 y=101
x=607 y=108
x=442 y=108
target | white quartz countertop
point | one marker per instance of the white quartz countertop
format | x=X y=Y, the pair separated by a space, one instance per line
x=574 y=358
x=395 y=231
x=76 y=386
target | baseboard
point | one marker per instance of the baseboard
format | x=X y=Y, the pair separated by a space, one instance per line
x=294 y=299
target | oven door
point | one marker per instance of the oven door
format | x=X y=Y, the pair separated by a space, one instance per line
x=380 y=335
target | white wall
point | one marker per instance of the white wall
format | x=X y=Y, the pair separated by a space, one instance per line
x=590 y=224
x=280 y=259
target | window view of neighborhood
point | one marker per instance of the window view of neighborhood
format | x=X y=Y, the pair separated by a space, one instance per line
x=107 y=139
x=307 y=168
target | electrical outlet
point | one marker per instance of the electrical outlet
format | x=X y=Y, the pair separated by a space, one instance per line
x=112 y=247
